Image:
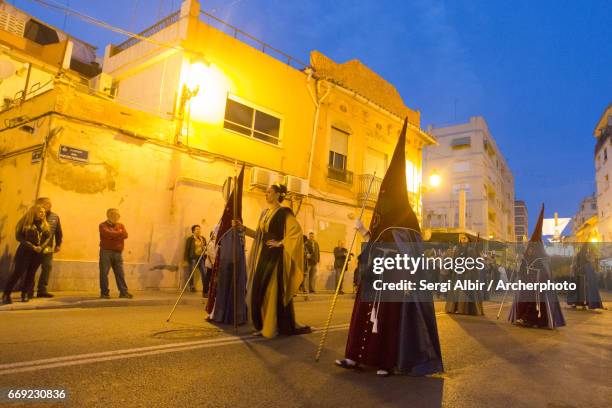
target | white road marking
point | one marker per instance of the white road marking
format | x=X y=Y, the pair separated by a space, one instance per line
x=78 y=359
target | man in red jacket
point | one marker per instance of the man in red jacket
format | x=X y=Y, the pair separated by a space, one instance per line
x=112 y=236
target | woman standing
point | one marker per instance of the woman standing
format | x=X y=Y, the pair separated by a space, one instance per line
x=276 y=268
x=195 y=248
x=464 y=301
x=211 y=255
x=33 y=235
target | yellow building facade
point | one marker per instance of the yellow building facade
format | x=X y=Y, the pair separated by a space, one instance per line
x=157 y=133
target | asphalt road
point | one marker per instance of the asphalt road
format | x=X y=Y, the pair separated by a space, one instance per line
x=130 y=357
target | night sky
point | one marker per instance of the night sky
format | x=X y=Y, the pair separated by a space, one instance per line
x=540 y=72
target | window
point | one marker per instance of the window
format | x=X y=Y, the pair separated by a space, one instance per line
x=338 y=149
x=465 y=186
x=338 y=155
x=413 y=177
x=461 y=143
x=251 y=122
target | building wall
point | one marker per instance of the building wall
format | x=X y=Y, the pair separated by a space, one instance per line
x=521 y=221
x=479 y=169
x=586 y=210
x=603 y=173
x=160 y=187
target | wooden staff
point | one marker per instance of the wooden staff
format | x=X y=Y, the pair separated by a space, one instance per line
x=235 y=248
x=338 y=286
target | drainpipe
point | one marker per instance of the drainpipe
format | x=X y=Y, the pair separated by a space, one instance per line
x=317 y=103
x=27 y=83
x=43 y=157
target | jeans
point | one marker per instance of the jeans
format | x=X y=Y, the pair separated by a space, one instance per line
x=203 y=274
x=27 y=262
x=45 y=270
x=338 y=272
x=111 y=259
x=311 y=272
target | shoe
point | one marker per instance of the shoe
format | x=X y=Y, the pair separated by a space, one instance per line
x=6 y=299
x=345 y=363
x=192 y=290
x=126 y=295
x=44 y=295
x=25 y=297
x=103 y=296
x=383 y=373
x=302 y=330
x=341 y=292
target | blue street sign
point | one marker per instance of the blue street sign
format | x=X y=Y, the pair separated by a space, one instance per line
x=72 y=153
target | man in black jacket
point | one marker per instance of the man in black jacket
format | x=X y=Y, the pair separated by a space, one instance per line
x=55 y=227
x=340 y=254
x=311 y=248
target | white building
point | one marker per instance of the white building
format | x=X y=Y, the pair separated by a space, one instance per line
x=469 y=162
x=603 y=172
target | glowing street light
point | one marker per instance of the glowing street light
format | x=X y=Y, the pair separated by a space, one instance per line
x=434 y=179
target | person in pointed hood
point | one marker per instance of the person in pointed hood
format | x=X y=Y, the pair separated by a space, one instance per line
x=393 y=336
x=536 y=308
x=220 y=304
x=585 y=278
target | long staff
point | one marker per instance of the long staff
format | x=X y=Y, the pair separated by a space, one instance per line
x=235 y=249
x=185 y=287
x=341 y=279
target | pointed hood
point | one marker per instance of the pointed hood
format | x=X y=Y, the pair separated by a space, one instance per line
x=392 y=206
x=536 y=235
x=228 y=213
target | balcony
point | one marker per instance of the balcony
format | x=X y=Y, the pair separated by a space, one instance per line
x=149 y=32
x=364 y=184
x=341 y=175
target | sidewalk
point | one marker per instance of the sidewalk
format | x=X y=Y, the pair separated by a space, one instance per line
x=67 y=300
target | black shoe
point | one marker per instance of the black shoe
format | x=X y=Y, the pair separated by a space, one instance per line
x=44 y=295
x=341 y=292
x=103 y=296
x=126 y=295
x=6 y=299
x=25 y=297
x=302 y=330
x=192 y=290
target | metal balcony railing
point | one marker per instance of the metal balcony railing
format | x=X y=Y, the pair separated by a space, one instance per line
x=343 y=176
x=252 y=41
x=362 y=193
x=155 y=28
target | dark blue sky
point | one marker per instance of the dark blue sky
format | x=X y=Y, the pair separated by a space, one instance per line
x=540 y=72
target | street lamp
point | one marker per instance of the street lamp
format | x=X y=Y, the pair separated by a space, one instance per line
x=434 y=182
x=434 y=179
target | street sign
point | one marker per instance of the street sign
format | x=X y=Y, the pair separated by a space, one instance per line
x=36 y=156
x=72 y=153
